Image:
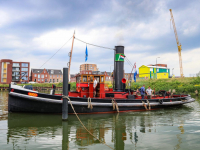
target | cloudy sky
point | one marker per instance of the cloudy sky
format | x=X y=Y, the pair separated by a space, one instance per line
x=33 y=30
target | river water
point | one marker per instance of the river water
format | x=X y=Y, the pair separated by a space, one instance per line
x=172 y=128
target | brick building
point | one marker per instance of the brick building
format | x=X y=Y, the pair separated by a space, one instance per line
x=85 y=67
x=39 y=75
x=11 y=71
x=55 y=75
x=46 y=75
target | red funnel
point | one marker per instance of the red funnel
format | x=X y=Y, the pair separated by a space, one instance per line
x=123 y=80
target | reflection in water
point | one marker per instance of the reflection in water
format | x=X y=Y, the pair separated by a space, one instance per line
x=3 y=105
x=121 y=131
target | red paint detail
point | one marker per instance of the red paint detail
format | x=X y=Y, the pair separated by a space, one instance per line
x=170 y=100
x=12 y=90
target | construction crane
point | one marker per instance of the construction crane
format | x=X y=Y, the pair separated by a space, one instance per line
x=178 y=44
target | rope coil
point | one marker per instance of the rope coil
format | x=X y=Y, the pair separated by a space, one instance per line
x=83 y=124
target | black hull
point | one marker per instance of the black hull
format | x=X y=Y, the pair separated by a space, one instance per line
x=20 y=102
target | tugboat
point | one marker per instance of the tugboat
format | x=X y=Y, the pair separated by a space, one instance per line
x=106 y=100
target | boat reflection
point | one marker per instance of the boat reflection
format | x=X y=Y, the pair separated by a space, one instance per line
x=117 y=130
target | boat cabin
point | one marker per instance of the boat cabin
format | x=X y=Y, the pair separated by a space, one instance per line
x=84 y=86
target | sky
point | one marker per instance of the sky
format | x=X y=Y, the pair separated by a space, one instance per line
x=33 y=31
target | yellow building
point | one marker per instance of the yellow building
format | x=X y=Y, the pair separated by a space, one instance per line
x=150 y=72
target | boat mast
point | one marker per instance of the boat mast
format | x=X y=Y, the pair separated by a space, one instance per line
x=70 y=55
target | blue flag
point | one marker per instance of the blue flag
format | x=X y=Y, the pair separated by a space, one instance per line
x=86 y=54
x=135 y=75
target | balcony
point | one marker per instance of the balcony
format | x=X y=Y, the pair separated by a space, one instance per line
x=16 y=75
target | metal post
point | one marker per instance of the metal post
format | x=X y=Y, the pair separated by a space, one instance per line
x=65 y=93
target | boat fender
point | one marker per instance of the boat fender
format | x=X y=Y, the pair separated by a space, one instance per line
x=160 y=101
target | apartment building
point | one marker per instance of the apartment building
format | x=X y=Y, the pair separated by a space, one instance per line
x=85 y=67
x=11 y=71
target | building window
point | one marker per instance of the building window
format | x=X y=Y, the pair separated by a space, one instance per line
x=25 y=65
x=24 y=69
x=157 y=70
x=38 y=75
x=46 y=75
x=53 y=80
x=38 y=79
x=24 y=78
x=42 y=79
x=45 y=80
x=50 y=76
x=44 y=71
x=35 y=75
x=50 y=80
x=54 y=76
x=52 y=72
x=15 y=69
x=57 y=80
x=60 y=76
x=57 y=76
x=42 y=76
x=16 y=65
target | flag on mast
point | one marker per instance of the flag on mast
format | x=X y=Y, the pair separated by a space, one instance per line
x=86 y=54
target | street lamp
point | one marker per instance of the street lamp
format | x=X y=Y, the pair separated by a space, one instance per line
x=156 y=67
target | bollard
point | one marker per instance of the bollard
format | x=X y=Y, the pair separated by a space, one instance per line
x=65 y=92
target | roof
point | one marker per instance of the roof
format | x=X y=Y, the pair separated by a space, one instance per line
x=153 y=67
x=157 y=67
x=50 y=71
x=37 y=70
x=54 y=71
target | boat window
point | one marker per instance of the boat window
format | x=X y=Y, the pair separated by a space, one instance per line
x=84 y=78
x=102 y=79
x=78 y=79
x=97 y=78
x=88 y=77
x=91 y=78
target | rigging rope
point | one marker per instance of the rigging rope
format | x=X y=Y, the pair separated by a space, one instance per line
x=83 y=124
x=94 y=44
x=56 y=52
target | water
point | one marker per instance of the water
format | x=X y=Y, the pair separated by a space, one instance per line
x=174 y=128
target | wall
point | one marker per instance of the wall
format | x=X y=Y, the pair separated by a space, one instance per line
x=162 y=75
x=144 y=71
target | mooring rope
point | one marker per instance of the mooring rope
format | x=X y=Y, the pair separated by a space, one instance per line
x=83 y=124
x=115 y=105
x=90 y=103
x=149 y=105
x=145 y=106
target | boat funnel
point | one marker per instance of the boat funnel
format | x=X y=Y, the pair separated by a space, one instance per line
x=119 y=67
